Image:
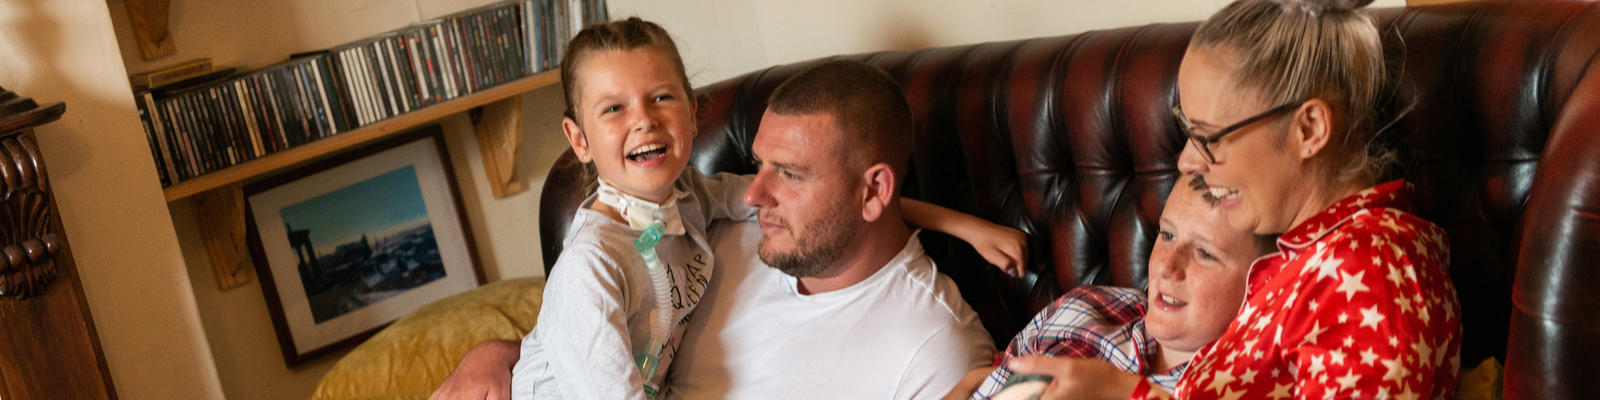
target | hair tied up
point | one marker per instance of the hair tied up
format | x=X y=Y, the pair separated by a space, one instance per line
x=1341 y=5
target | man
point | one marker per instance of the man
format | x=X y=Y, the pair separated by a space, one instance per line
x=850 y=306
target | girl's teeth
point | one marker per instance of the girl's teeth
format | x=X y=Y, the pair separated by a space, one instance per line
x=647 y=149
x=1169 y=299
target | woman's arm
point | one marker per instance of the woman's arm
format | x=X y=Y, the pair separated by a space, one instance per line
x=1003 y=246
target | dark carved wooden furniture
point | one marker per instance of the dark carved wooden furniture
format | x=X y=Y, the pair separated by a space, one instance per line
x=48 y=345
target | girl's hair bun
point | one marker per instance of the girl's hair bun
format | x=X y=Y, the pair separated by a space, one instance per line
x=1345 y=5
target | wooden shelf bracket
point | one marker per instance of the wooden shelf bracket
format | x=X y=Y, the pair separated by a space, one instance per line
x=498 y=127
x=149 y=19
x=221 y=216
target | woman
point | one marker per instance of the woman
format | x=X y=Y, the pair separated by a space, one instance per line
x=1356 y=303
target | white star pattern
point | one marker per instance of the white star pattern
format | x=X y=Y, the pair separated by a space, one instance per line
x=1336 y=357
x=1220 y=380
x=1280 y=391
x=1368 y=357
x=1370 y=317
x=1351 y=284
x=1406 y=395
x=1232 y=395
x=1348 y=381
x=1316 y=365
x=1326 y=265
x=1397 y=371
x=1263 y=322
x=1316 y=330
x=1424 y=351
x=1388 y=222
x=1394 y=276
x=1249 y=376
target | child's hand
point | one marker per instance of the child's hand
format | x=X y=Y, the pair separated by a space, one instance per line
x=1003 y=246
x=1077 y=378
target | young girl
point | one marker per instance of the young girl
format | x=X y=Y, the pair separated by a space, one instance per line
x=636 y=259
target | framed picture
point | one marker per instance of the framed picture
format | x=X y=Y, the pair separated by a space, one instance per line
x=347 y=245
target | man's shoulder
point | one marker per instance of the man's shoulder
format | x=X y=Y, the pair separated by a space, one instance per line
x=928 y=302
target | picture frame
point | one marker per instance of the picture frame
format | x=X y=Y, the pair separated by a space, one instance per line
x=346 y=245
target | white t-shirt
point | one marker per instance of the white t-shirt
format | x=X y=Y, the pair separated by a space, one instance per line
x=903 y=333
x=599 y=303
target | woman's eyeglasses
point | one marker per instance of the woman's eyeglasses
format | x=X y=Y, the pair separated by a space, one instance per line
x=1206 y=141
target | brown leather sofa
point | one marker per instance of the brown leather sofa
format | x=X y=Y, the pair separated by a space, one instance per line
x=1069 y=139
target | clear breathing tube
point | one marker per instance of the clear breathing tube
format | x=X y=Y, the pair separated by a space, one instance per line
x=648 y=361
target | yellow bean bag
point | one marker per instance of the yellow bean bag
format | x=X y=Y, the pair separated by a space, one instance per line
x=412 y=356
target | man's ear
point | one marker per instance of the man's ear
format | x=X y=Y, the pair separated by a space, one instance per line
x=878 y=184
x=580 y=143
x=1311 y=129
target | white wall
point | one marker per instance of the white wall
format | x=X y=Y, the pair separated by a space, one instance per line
x=105 y=184
x=252 y=34
x=169 y=332
x=721 y=39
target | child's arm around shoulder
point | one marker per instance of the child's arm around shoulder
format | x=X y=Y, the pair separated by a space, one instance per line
x=722 y=194
x=1003 y=246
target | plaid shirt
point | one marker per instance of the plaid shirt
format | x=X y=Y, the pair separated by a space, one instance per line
x=1099 y=322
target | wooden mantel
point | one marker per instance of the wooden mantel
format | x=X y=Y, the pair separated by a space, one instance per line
x=48 y=345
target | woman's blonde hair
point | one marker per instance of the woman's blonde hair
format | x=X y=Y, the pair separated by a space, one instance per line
x=1295 y=50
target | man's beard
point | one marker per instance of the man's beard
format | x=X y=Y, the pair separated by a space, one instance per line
x=817 y=248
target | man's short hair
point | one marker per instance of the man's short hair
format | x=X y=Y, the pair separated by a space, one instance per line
x=867 y=105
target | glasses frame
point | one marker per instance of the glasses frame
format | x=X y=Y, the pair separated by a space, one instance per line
x=1206 y=141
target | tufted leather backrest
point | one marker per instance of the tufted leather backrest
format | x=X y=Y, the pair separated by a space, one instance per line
x=1070 y=139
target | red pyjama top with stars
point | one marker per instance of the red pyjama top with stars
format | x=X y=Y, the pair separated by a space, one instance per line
x=1356 y=304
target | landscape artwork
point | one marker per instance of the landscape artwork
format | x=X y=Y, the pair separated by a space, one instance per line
x=363 y=243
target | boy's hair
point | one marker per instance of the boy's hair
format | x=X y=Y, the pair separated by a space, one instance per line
x=629 y=34
x=867 y=106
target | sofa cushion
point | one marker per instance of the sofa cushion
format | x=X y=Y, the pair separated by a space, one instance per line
x=412 y=356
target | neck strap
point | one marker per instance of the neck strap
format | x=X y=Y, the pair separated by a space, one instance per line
x=639 y=213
